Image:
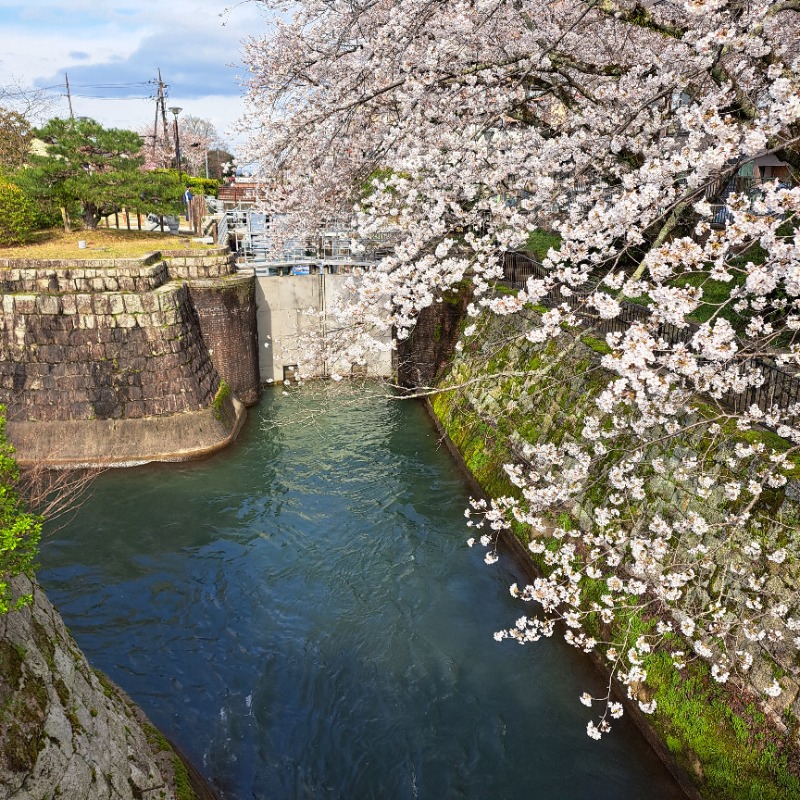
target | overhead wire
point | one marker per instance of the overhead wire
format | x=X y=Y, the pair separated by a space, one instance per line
x=59 y=90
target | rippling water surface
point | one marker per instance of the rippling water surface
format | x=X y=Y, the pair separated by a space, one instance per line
x=302 y=617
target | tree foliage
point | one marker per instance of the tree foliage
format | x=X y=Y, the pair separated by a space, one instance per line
x=20 y=530
x=97 y=171
x=16 y=135
x=17 y=214
x=637 y=132
x=197 y=137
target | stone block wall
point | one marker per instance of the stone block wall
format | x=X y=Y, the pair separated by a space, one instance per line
x=190 y=264
x=550 y=403
x=103 y=355
x=515 y=393
x=422 y=357
x=54 y=277
x=226 y=308
x=125 y=341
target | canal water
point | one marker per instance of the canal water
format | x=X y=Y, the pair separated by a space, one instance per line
x=302 y=616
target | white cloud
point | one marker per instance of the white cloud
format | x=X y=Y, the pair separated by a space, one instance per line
x=103 y=46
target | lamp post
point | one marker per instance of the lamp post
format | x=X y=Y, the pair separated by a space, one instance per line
x=175 y=110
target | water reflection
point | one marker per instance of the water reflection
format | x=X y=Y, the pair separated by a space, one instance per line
x=301 y=615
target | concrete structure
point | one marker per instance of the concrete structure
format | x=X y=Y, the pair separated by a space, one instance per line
x=290 y=310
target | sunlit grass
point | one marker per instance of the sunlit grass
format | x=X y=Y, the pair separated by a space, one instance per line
x=100 y=243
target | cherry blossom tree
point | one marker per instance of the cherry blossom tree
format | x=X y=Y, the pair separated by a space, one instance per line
x=634 y=130
x=197 y=136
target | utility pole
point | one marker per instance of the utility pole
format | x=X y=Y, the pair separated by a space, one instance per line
x=69 y=96
x=155 y=126
x=163 y=112
x=177 y=110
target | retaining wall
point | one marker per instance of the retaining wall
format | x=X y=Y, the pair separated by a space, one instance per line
x=733 y=739
x=128 y=340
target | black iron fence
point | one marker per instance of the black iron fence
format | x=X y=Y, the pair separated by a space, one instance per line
x=778 y=388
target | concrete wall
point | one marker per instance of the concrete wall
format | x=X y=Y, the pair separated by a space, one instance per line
x=291 y=311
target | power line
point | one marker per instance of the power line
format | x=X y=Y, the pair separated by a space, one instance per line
x=113 y=85
x=105 y=97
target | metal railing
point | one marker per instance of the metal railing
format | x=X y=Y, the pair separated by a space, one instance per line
x=222 y=230
x=779 y=388
x=257 y=239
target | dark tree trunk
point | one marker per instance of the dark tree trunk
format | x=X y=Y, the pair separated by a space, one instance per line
x=91 y=216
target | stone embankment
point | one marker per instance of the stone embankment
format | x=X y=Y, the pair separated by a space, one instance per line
x=126 y=360
x=731 y=739
x=67 y=732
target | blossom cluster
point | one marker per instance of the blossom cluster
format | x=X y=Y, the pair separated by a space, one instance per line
x=638 y=134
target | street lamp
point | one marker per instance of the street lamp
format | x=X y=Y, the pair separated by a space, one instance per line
x=175 y=110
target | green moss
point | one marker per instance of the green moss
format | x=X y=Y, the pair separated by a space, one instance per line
x=61 y=691
x=11 y=661
x=20 y=750
x=74 y=721
x=738 y=761
x=218 y=403
x=598 y=345
x=105 y=683
x=157 y=741
x=183 y=786
x=539 y=243
x=673 y=745
x=23 y=707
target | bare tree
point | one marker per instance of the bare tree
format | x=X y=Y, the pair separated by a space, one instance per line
x=16 y=135
x=31 y=102
x=55 y=494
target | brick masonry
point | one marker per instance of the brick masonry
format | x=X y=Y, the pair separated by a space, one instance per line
x=226 y=307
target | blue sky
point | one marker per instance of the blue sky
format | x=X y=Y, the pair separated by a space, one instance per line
x=111 y=50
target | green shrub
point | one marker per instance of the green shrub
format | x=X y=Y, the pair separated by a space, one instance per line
x=19 y=530
x=208 y=186
x=17 y=214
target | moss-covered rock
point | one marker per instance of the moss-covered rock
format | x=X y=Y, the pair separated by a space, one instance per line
x=67 y=731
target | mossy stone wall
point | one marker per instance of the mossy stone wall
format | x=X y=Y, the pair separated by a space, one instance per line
x=729 y=739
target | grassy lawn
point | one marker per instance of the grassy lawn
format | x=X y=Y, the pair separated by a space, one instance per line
x=100 y=243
